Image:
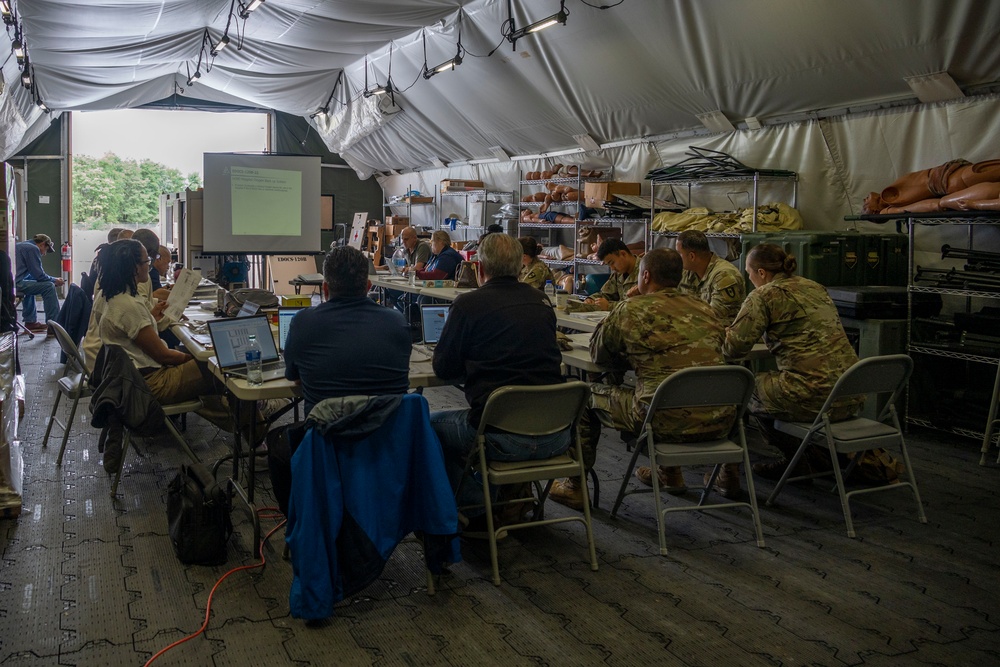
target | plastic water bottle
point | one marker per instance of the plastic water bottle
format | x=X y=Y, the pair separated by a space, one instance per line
x=550 y=291
x=399 y=259
x=254 y=375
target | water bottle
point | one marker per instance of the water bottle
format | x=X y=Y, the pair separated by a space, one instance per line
x=399 y=259
x=254 y=375
x=550 y=290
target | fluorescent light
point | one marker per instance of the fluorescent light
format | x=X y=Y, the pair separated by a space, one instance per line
x=254 y=4
x=18 y=49
x=8 y=16
x=935 y=87
x=26 y=78
x=193 y=79
x=451 y=63
x=716 y=121
x=378 y=90
x=548 y=22
x=41 y=105
x=221 y=44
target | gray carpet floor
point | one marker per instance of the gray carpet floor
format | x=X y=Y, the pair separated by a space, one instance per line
x=90 y=581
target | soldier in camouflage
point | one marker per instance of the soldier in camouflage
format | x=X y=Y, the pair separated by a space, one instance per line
x=534 y=271
x=655 y=333
x=709 y=277
x=623 y=281
x=802 y=329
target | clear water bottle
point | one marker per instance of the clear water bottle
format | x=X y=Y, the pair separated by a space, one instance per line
x=550 y=291
x=254 y=375
x=399 y=259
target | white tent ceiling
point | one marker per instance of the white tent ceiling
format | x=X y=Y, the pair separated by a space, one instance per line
x=639 y=69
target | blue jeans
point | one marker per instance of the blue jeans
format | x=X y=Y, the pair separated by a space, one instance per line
x=29 y=289
x=458 y=439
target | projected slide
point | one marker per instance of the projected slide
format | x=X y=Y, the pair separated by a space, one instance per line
x=262 y=203
x=263 y=196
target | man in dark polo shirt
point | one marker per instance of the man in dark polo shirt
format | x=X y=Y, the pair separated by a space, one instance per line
x=347 y=346
x=503 y=333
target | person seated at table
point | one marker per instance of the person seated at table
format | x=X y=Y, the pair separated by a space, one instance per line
x=364 y=350
x=126 y=321
x=158 y=272
x=709 y=277
x=444 y=259
x=534 y=271
x=624 y=266
x=92 y=339
x=655 y=333
x=417 y=254
x=503 y=333
x=801 y=328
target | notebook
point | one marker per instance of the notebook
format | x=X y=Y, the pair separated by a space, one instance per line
x=229 y=338
x=285 y=315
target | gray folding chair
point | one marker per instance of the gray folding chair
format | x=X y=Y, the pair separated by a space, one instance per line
x=73 y=385
x=874 y=376
x=704 y=386
x=533 y=410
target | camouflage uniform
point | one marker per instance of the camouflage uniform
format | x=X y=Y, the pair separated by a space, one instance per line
x=654 y=334
x=723 y=287
x=618 y=284
x=802 y=329
x=535 y=274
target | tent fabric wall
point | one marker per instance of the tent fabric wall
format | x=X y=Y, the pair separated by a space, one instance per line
x=643 y=68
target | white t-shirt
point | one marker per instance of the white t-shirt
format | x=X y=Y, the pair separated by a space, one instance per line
x=92 y=340
x=123 y=317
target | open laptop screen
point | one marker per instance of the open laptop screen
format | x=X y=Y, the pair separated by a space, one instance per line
x=432 y=319
x=229 y=338
x=285 y=315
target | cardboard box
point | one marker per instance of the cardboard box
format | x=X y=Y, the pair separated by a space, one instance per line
x=459 y=185
x=397 y=220
x=595 y=194
x=419 y=200
x=292 y=300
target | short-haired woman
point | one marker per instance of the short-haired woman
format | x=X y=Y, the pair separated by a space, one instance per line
x=444 y=259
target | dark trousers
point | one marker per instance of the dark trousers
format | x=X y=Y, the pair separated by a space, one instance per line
x=281 y=445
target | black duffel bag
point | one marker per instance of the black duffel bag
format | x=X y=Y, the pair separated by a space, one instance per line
x=198 y=511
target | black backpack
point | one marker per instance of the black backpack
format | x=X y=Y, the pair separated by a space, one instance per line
x=198 y=511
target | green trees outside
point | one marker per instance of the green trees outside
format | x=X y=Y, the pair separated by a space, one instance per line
x=111 y=191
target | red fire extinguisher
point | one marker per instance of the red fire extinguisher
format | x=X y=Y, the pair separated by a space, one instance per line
x=67 y=258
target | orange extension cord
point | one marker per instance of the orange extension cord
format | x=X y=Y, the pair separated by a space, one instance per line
x=208 y=605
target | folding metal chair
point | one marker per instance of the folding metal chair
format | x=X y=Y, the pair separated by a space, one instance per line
x=704 y=386
x=874 y=376
x=73 y=385
x=537 y=411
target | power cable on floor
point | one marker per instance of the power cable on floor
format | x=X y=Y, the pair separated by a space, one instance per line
x=208 y=606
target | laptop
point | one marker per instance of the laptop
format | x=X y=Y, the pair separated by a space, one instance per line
x=285 y=315
x=229 y=338
x=432 y=319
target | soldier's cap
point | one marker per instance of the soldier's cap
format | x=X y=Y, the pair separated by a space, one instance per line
x=44 y=238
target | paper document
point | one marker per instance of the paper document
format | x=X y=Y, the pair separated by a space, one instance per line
x=181 y=293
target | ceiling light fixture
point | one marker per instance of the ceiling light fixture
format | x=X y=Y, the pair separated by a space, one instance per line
x=587 y=142
x=452 y=62
x=517 y=33
x=221 y=44
x=6 y=12
x=18 y=47
x=325 y=109
x=26 y=78
x=379 y=90
x=249 y=7
x=387 y=89
x=193 y=79
x=41 y=105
